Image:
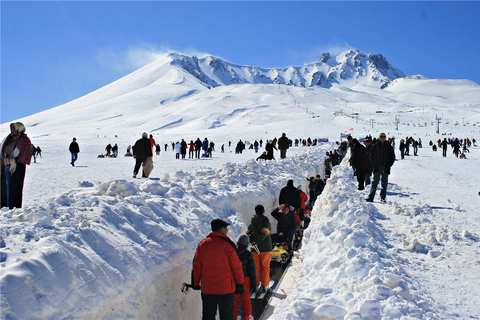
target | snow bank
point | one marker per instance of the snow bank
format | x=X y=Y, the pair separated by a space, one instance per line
x=122 y=249
x=349 y=270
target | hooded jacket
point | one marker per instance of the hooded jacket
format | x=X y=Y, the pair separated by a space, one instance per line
x=248 y=265
x=216 y=266
x=259 y=231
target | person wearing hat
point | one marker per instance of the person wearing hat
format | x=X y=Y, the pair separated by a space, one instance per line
x=142 y=150
x=249 y=276
x=259 y=232
x=382 y=157
x=217 y=272
x=286 y=224
x=16 y=154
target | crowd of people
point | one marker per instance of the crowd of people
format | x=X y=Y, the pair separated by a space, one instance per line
x=229 y=273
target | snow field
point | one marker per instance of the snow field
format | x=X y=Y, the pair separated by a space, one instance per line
x=122 y=249
x=349 y=269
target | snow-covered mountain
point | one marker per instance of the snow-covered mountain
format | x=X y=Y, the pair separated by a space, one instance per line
x=93 y=243
x=348 y=68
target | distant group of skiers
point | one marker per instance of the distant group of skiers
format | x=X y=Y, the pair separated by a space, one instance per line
x=219 y=262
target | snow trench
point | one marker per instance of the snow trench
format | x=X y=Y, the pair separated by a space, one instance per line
x=121 y=249
x=349 y=270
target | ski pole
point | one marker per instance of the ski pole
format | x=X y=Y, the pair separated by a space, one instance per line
x=7 y=178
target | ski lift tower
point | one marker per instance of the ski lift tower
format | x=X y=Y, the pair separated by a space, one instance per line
x=437 y=118
x=397 y=121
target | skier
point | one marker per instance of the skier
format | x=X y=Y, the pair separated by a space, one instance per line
x=312 y=188
x=74 y=150
x=249 y=276
x=382 y=157
x=34 y=153
x=157 y=149
x=16 y=154
x=255 y=145
x=217 y=271
x=142 y=150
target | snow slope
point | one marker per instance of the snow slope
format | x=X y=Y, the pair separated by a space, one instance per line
x=91 y=242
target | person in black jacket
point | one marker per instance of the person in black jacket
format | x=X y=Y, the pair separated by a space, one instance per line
x=286 y=224
x=269 y=149
x=382 y=157
x=74 y=150
x=198 y=147
x=289 y=194
x=360 y=162
x=141 y=151
x=250 y=277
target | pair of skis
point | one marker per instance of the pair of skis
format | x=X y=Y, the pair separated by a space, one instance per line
x=261 y=292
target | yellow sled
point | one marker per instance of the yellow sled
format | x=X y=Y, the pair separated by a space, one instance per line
x=279 y=254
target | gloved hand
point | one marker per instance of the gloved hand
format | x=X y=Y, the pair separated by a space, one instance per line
x=253 y=287
x=12 y=168
x=239 y=288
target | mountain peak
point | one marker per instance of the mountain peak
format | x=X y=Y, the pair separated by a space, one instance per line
x=349 y=68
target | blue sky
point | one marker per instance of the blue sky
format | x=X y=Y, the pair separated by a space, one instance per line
x=54 y=52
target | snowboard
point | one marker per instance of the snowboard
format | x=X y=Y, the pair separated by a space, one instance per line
x=147 y=166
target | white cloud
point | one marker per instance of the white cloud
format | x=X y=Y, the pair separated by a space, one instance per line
x=133 y=58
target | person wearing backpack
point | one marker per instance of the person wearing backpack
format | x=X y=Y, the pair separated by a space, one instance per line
x=259 y=233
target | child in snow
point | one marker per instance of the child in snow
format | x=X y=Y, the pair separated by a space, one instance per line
x=250 y=278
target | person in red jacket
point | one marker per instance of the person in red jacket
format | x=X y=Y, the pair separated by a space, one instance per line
x=218 y=272
x=303 y=199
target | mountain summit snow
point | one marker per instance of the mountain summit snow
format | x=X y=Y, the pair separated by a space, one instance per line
x=347 y=69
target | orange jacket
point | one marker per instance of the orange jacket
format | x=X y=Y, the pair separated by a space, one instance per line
x=216 y=266
x=303 y=199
